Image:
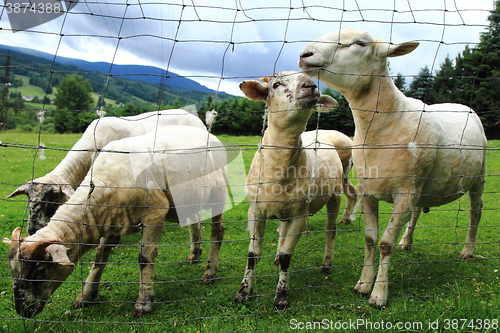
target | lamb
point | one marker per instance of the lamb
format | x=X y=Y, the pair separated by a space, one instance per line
x=430 y=157
x=131 y=188
x=291 y=176
x=47 y=193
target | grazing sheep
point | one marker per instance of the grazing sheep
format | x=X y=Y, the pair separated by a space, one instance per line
x=133 y=186
x=47 y=193
x=293 y=174
x=412 y=154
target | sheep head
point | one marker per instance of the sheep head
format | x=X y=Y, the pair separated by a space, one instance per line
x=290 y=97
x=349 y=60
x=43 y=200
x=38 y=268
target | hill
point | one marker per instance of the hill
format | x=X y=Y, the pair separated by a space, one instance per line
x=147 y=74
x=128 y=82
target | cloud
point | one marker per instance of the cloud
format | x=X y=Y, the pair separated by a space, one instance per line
x=221 y=43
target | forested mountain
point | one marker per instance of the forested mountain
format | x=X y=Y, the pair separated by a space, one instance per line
x=148 y=74
x=119 y=87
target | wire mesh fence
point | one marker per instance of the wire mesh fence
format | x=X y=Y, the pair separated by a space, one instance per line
x=160 y=200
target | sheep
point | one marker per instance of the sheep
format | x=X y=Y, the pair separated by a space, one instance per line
x=47 y=193
x=131 y=188
x=343 y=145
x=420 y=155
x=291 y=176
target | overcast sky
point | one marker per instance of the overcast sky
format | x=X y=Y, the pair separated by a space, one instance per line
x=242 y=39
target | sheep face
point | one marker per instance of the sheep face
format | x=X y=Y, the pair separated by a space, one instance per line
x=350 y=59
x=38 y=269
x=43 y=201
x=293 y=92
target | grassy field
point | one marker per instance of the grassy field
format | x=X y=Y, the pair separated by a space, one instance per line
x=430 y=289
x=30 y=90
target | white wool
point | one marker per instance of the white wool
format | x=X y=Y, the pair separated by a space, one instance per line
x=41 y=155
x=41 y=116
x=210 y=117
x=412 y=147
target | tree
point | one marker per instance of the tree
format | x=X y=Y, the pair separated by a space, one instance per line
x=479 y=72
x=421 y=86
x=444 y=88
x=339 y=119
x=74 y=101
x=400 y=83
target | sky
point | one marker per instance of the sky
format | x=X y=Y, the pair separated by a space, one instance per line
x=220 y=43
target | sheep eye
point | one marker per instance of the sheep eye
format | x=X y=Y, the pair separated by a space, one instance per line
x=360 y=43
x=276 y=85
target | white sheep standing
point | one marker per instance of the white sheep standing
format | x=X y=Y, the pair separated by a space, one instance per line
x=406 y=152
x=291 y=176
x=127 y=191
x=45 y=194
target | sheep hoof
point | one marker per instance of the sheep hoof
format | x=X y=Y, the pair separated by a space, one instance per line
x=193 y=260
x=378 y=304
x=241 y=297
x=467 y=252
x=281 y=302
x=208 y=279
x=194 y=256
x=405 y=247
x=140 y=311
x=363 y=288
x=358 y=291
x=81 y=302
x=345 y=221
x=326 y=270
x=242 y=294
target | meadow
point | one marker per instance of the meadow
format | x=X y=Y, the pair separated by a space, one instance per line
x=431 y=290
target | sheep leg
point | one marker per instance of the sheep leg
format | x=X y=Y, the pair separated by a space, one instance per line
x=370 y=210
x=195 y=246
x=216 y=238
x=407 y=238
x=256 y=228
x=295 y=230
x=282 y=233
x=400 y=216
x=476 y=206
x=147 y=258
x=352 y=196
x=91 y=287
x=332 y=209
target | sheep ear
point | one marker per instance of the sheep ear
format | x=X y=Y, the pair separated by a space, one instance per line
x=397 y=50
x=23 y=189
x=68 y=190
x=59 y=255
x=15 y=237
x=255 y=90
x=326 y=103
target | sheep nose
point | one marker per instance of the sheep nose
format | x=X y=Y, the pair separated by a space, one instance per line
x=308 y=85
x=305 y=55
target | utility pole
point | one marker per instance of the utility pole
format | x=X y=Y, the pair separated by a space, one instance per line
x=5 y=95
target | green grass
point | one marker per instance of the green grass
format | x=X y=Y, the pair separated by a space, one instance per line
x=30 y=90
x=427 y=284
